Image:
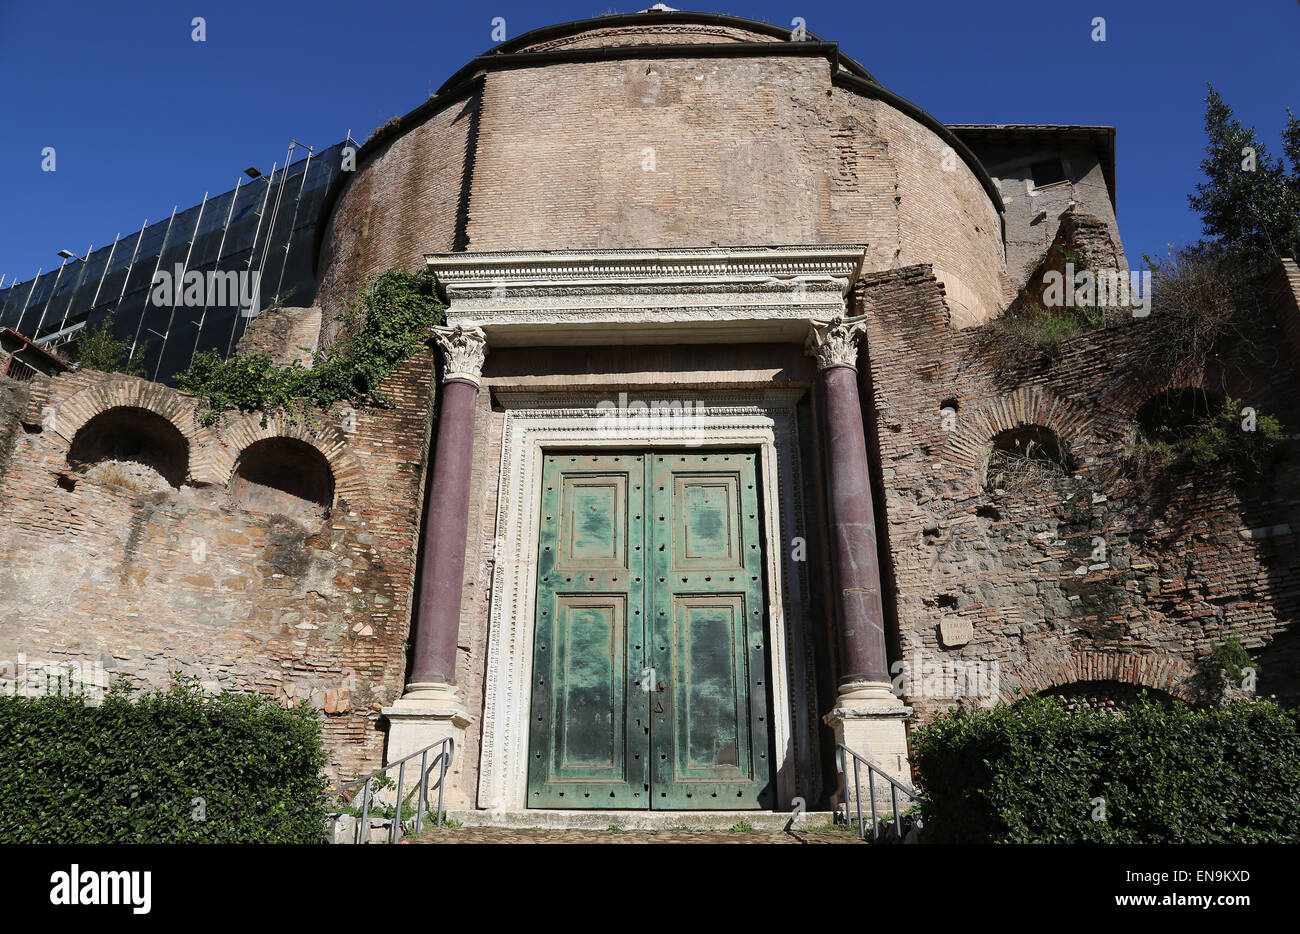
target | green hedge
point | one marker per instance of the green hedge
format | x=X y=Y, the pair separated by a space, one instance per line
x=129 y=770
x=1167 y=774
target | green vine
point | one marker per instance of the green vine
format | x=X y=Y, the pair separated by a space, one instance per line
x=388 y=323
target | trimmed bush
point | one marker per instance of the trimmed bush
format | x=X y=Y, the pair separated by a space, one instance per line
x=1032 y=773
x=165 y=767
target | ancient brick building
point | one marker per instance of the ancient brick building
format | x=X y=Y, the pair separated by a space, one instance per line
x=696 y=483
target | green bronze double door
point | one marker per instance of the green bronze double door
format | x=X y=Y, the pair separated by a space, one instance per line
x=650 y=661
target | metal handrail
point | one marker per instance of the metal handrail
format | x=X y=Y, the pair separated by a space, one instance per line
x=895 y=786
x=442 y=761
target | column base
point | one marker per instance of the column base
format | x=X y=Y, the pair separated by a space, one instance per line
x=425 y=714
x=868 y=719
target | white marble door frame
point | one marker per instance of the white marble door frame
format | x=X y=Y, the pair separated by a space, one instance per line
x=534 y=424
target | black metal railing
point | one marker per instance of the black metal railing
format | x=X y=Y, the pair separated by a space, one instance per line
x=379 y=780
x=20 y=371
x=895 y=787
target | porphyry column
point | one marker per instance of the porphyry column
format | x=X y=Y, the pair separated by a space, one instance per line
x=867 y=717
x=430 y=709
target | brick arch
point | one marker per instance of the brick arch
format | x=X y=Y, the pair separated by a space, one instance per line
x=972 y=440
x=1124 y=397
x=237 y=434
x=128 y=392
x=1160 y=672
x=72 y=415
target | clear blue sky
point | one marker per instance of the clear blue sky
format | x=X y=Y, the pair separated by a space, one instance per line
x=142 y=118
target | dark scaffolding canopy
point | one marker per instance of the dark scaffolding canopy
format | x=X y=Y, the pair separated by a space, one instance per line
x=258 y=237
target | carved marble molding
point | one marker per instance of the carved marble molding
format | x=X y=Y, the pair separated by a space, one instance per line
x=584 y=297
x=835 y=342
x=527 y=433
x=464 y=347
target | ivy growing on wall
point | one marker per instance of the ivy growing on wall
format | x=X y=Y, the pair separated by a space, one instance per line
x=1227 y=664
x=388 y=323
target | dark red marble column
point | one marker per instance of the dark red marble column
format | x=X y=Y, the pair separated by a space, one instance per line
x=446 y=513
x=854 y=555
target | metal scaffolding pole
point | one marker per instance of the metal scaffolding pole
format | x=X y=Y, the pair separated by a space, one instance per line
x=46 y=307
x=177 y=288
x=252 y=252
x=270 y=227
x=148 y=290
x=131 y=265
x=216 y=266
x=294 y=221
x=104 y=275
x=19 y=326
x=85 y=263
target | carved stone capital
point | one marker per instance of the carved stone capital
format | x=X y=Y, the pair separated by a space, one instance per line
x=463 y=350
x=835 y=342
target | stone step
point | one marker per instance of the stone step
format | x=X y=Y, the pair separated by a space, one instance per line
x=512 y=835
x=639 y=820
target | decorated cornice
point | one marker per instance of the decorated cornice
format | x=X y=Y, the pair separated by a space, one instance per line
x=706 y=295
x=835 y=342
x=464 y=348
x=839 y=261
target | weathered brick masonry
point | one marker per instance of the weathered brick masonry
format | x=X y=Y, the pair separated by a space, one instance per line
x=1188 y=562
x=663 y=152
x=407 y=202
x=189 y=580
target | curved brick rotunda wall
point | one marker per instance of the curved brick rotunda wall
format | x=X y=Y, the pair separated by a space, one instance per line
x=671 y=130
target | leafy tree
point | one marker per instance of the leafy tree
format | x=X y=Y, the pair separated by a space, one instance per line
x=100 y=350
x=1249 y=201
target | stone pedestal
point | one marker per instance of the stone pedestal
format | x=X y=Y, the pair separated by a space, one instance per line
x=425 y=714
x=868 y=719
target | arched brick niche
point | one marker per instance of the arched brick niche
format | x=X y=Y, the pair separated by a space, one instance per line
x=1174 y=413
x=1024 y=457
x=284 y=461
x=1167 y=674
x=66 y=418
x=131 y=446
x=1122 y=398
x=1028 y=414
x=283 y=475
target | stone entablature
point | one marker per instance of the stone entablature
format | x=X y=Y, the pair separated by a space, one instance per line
x=596 y=297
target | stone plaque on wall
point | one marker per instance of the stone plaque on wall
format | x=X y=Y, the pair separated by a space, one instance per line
x=955 y=632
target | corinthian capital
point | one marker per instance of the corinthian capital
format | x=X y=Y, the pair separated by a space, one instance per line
x=463 y=350
x=835 y=342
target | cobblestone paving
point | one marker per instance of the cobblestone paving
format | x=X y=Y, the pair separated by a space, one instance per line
x=540 y=835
